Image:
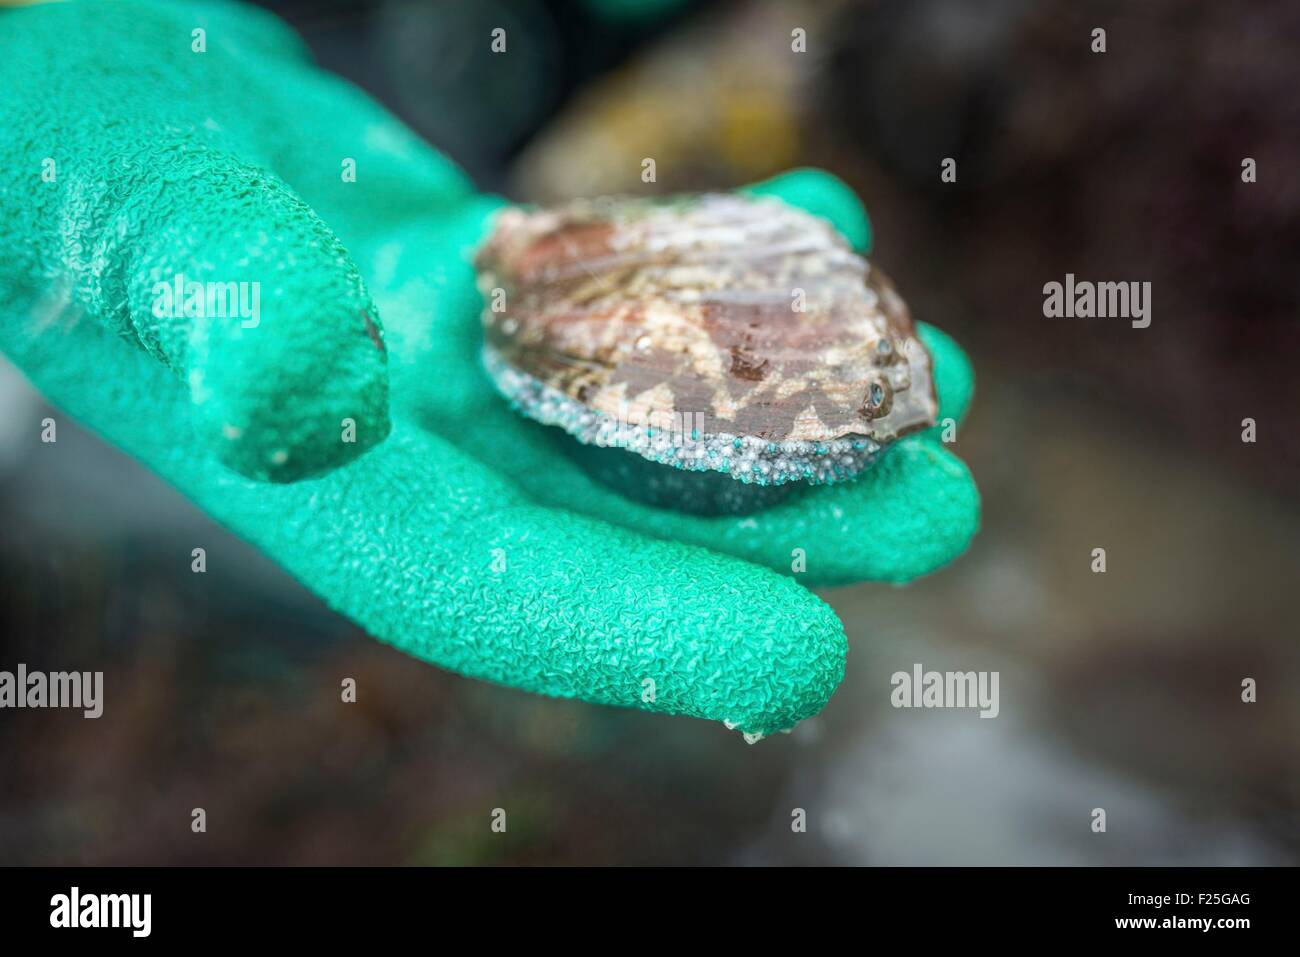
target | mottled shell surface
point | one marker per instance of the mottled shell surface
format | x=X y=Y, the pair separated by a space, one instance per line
x=741 y=317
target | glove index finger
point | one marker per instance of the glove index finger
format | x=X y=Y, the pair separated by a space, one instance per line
x=165 y=225
x=462 y=572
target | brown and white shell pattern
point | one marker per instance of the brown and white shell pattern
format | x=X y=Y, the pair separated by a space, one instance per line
x=750 y=316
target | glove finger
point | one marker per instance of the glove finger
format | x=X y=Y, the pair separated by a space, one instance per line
x=455 y=567
x=168 y=228
x=911 y=513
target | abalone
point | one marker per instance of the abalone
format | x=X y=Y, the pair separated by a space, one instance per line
x=734 y=337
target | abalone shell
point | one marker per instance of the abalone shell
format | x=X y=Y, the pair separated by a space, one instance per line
x=718 y=332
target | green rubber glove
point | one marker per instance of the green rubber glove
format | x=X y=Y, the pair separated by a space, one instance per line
x=131 y=156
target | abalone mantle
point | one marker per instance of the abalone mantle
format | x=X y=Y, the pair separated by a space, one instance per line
x=724 y=332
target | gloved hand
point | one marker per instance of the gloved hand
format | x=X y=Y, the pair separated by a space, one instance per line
x=130 y=157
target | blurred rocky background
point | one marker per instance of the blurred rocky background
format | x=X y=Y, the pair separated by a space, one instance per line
x=1118 y=690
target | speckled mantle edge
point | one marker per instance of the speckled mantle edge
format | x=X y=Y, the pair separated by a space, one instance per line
x=745 y=458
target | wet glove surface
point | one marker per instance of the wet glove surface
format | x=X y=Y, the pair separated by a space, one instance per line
x=448 y=526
